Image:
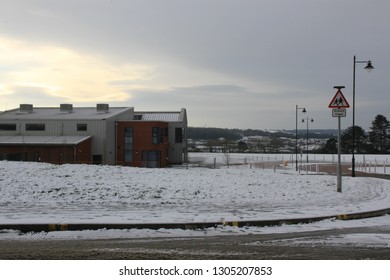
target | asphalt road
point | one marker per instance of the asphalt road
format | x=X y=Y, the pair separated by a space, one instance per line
x=299 y=246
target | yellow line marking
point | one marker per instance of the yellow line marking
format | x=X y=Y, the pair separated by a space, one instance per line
x=51 y=227
x=64 y=227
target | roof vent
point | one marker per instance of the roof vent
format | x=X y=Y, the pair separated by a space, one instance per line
x=66 y=108
x=102 y=108
x=26 y=108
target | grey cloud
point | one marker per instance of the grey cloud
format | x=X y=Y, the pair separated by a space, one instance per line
x=305 y=47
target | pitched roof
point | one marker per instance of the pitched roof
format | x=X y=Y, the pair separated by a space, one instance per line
x=42 y=140
x=161 y=116
x=174 y=116
x=55 y=113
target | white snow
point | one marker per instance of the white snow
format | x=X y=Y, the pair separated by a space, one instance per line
x=46 y=193
x=369 y=240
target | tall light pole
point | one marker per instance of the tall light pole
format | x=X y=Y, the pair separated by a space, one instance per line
x=368 y=67
x=296 y=134
x=307 y=137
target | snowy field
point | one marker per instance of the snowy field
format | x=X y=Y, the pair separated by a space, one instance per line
x=46 y=193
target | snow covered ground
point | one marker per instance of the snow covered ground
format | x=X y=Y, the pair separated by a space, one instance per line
x=45 y=193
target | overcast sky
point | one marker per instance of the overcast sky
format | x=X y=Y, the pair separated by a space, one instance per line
x=232 y=64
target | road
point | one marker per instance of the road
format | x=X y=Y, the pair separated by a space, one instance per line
x=302 y=246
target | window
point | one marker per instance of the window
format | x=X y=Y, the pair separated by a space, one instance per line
x=151 y=158
x=81 y=127
x=157 y=135
x=7 y=126
x=96 y=159
x=178 y=135
x=35 y=126
x=128 y=144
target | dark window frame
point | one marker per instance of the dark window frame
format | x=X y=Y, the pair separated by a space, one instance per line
x=7 y=126
x=129 y=140
x=178 y=135
x=82 y=127
x=35 y=127
x=157 y=135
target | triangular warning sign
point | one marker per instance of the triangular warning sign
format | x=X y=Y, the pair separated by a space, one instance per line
x=339 y=101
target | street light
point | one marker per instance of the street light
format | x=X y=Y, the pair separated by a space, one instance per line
x=296 y=134
x=368 y=67
x=307 y=137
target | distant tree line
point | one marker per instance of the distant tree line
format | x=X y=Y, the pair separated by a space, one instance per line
x=377 y=140
x=213 y=133
x=234 y=134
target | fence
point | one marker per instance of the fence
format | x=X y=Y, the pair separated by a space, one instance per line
x=217 y=160
x=374 y=166
x=306 y=163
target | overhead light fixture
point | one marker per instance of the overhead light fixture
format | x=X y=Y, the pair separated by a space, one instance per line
x=369 y=66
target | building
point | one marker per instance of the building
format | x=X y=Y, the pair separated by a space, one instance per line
x=142 y=144
x=177 y=132
x=99 y=135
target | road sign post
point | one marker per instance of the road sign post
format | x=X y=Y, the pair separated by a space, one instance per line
x=339 y=171
x=338 y=105
x=339 y=112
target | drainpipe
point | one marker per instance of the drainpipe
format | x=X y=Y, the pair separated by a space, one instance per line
x=116 y=144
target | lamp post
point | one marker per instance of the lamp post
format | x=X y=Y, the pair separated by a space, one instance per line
x=307 y=137
x=368 y=67
x=296 y=134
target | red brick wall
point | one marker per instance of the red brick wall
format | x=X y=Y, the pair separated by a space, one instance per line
x=142 y=141
x=56 y=154
x=84 y=152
